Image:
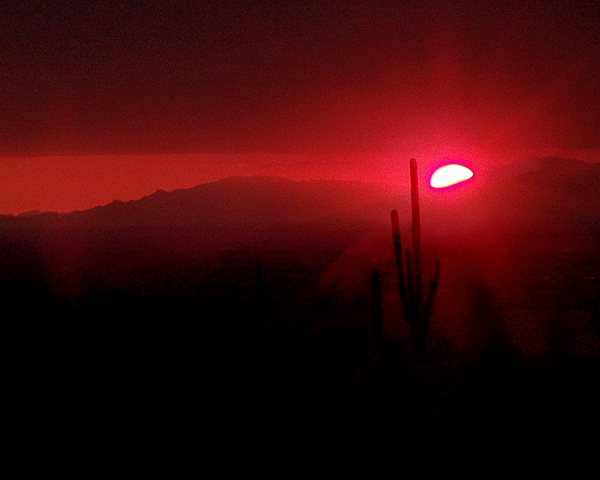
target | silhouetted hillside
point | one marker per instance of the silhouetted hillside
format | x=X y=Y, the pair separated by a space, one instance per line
x=234 y=201
x=571 y=176
x=532 y=188
x=529 y=194
x=560 y=190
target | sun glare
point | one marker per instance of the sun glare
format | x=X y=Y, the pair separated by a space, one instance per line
x=449 y=175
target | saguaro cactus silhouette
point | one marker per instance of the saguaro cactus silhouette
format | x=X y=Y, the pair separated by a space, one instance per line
x=416 y=307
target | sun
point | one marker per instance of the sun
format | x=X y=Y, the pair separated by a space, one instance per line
x=450 y=175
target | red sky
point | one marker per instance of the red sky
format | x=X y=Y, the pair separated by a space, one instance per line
x=104 y=100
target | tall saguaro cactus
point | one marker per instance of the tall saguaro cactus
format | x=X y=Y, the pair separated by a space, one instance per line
x=416 y=307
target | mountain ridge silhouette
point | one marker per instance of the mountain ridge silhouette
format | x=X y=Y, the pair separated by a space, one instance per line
x=240 y=200
x=547 y=186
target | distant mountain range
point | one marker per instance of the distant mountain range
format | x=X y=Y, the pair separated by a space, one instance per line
x=553 y=189
x=577 y=178
x=539 y=188
x=567 y=175
x=231 y=201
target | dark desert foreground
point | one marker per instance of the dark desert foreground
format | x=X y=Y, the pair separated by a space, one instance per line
x=129 y=312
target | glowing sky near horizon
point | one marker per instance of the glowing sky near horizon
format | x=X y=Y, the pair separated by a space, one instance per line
x=108 y=101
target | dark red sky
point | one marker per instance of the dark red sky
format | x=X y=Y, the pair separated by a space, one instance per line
x=325 y=88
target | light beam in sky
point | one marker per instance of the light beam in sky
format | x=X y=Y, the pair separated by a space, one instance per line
x=450 y=175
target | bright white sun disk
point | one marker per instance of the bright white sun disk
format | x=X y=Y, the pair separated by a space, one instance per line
x=449 y=175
